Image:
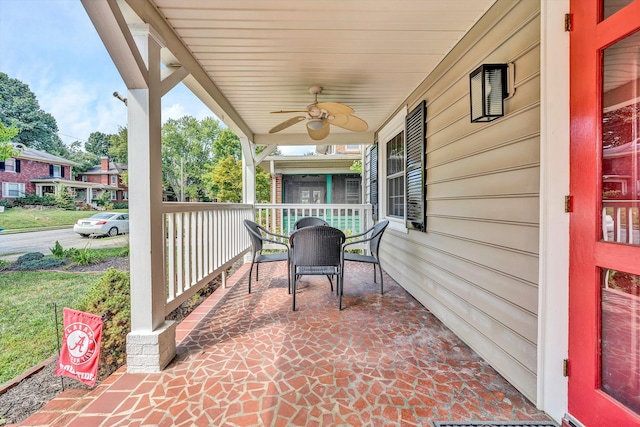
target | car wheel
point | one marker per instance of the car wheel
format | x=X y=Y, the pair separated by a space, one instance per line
x=113 y=231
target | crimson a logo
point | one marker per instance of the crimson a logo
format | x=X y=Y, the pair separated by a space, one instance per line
x=81 y=342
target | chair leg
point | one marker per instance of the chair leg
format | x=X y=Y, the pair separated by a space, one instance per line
x=374 y=273
x=340 y=291
x=289 y=278
x=293 y=290
x=331 y=282
x=381 y=279
x=250 y=272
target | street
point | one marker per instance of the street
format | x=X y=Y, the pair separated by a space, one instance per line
x=14 y=245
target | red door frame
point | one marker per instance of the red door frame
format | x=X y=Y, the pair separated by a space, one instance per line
x=588 y=37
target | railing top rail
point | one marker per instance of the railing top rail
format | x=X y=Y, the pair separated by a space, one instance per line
x=168 y=207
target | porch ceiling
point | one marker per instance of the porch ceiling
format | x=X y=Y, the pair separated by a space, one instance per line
x=263 y=56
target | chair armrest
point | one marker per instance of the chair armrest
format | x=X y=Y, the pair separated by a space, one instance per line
x=281 y=236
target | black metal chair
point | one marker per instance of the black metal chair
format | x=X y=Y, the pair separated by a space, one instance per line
x=316 y=250
x=308 y=221
x=259 y=235
x=375 y=235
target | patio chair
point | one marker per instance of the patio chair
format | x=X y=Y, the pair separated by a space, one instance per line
x=259 y=235
x=316 y=250
x=375 y=235
x=308 y=221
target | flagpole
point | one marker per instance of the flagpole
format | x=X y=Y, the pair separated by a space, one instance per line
x=55 y=311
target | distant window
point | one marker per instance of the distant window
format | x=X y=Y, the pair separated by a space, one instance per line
x=114 y=179
x=12 y=189
x=352 y=190
x=125 y=195
x=10 y=165
x=84 y=178
x=352 y=148
x=56 y=171
x=114 y=195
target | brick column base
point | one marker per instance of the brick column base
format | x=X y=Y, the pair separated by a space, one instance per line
x=151 y=351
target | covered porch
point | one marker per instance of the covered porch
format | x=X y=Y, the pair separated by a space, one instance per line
x=484 y=250
x=248 y=360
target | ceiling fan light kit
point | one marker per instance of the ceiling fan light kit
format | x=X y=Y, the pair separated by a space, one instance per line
x=319 y=115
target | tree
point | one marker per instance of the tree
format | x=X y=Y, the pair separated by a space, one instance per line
x=6 y=135
x=85 y=160
x=186 y=151
x=98 y=144
x=118 y=145
x=19 y=108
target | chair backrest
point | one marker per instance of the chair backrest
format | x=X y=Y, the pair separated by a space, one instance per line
x=255 y=234
x=316 y=245
x=376 y=235
x=308 y=221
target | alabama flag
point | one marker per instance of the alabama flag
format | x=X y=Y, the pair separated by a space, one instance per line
x=80 y=349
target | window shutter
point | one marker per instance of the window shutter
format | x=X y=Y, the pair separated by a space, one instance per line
x=62 y=171
x=17 y=166
x=50 y=170
x=1 y=166
x=373 y=180
x=416 y=134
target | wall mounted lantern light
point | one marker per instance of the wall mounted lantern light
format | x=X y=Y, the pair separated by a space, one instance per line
x=489 y=87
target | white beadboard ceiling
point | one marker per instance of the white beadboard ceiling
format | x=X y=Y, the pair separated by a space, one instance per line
x=263 y=55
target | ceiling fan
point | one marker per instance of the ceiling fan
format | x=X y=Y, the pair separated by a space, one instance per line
x=320 y=115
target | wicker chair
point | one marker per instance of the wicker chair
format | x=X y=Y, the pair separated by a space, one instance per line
x=259 y=235
x=308 y=221
x=316 y=250
x=375 y=235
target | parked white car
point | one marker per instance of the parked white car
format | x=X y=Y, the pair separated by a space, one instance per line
x=103 y=223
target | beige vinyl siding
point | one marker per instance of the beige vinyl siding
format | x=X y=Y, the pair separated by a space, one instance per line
x=476 y=267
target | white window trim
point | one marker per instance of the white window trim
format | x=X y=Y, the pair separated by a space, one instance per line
x=59 y=174
x=395 y=126
x=13 y=164
x=5 y=190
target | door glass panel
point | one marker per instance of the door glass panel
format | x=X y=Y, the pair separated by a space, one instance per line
x=612 y=6
x=620 y=343
x=620 y=141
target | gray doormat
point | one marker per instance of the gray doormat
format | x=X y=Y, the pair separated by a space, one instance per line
x=494 y=424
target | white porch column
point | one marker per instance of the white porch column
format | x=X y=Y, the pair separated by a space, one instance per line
x=151 y=343
x=248 y=172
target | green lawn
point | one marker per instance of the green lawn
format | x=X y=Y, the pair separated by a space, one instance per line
x=19 y=219
x=27 y=327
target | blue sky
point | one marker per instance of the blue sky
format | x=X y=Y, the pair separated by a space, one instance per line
x=52 y=46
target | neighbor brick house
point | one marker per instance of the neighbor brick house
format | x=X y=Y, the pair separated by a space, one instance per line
x=32 y=171
x=108 y=177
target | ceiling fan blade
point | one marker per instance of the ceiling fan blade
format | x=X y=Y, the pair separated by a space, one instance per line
x=288 y=111
x=292 y=121
x=319 y=134
x=335 y=108
x=349 y=122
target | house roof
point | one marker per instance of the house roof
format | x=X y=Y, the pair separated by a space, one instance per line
x=28 y=153
x=310 y=164
x=247 y=59
x=114 y=169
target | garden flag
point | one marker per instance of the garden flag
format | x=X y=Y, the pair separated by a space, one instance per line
x=80 y=349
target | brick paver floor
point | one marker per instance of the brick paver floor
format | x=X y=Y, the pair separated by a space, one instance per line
x=249 y=360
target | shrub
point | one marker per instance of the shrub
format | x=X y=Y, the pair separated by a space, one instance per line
x=57 y=250
x=120 y=205
x=109 y=298
x=32 y=199
x=84 y=256
x=64 y=199
x=4 y=264
x=39 y=264
x=31 y=256
x=6 y=203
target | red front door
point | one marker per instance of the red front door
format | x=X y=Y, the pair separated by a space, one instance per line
x=604 y=286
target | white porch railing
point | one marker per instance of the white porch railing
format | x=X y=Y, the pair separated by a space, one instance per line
x=621 y=221
x=279 y=218
x=202 y=241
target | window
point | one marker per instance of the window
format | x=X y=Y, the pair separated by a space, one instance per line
x=114 y=195
x=10 y=165
x=352 y=190
x=125 y=195
x=55 y=171
x=12 y=189
x=395 y=176
x=114 y=179
x=352 y=148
